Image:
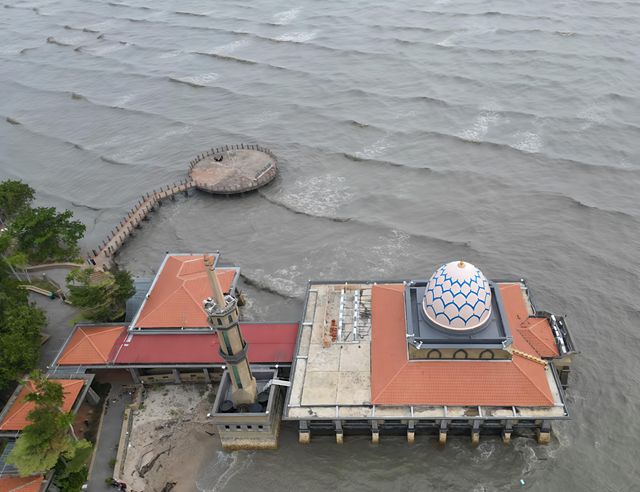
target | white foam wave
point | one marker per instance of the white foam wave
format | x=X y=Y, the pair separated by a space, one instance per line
x=480 y=126
x=201 y=79
x=528 y=142
x=318 y=195
x=226 y=466
x=229 y=48
x=374 y=150
x=286 y=16
x=298 y=37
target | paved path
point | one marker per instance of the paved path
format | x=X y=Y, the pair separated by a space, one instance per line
x=108 y=438
x=59 y=325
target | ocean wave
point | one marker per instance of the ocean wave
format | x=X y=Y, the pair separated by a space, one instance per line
x=357 y=123
x=88 y=207
x=52 y=40
x=229 y=58
x=114 y=161
x=190 y=14
x=12 y=121
x=367 y=224
x=265 y=286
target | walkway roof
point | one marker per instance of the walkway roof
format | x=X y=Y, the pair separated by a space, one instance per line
x=395 y=380
x=268 y=343
x=15 y=417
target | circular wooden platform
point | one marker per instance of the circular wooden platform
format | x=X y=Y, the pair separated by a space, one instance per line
x=233 y=169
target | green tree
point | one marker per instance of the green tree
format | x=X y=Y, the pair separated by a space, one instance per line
x=71 y=474
x=44 y=234
x=15 y=196
x=20 y=326
x=46 y=439
x=101 y=297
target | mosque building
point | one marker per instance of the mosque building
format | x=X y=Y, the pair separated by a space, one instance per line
x=453 y=354
x=456 y=354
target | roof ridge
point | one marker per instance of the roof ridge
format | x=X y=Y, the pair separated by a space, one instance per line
x=544 y=342
x=535 y=385
x=93 y=345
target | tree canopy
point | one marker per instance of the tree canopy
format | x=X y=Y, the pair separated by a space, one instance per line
x=15 y=196
x=20 y=325
x=100 y=297
x=45 y=234
x=46 y=439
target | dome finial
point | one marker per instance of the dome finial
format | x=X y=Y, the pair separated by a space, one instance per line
x=461 y=264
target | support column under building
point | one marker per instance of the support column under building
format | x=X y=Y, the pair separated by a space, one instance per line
x=92 y=396
x=375 y=432
x=304 y=434
x=475 y=432
x=207 y=377
x=411 y=431
x=339 y=432
x=135 y=375
x=506 y=433
x=176 y=376
x=544 y=433
x=442 y=434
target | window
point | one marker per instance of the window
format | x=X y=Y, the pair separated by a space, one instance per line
x=460 y=354
x=434 y=354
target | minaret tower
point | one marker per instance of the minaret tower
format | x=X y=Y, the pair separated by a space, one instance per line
x=222 y=316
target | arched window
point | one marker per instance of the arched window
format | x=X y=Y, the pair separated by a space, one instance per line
x=487 y=354
x=434 y=354
x=460 y=354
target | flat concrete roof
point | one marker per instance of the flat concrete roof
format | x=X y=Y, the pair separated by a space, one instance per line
x=337 y=374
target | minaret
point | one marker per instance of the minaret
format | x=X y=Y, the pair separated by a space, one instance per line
x=222 y=315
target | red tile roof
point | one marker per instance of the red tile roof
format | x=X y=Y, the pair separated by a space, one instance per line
x=16 y=417
x=175 y=300
x=531 y=335
x=21 y=484
x=273 y=342
x=91 y=345
x=397 y=381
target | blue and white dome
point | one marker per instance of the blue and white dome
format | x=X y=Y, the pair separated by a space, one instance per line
x=457 y=297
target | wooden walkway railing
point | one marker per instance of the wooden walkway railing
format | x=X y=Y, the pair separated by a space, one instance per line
x=102 y=257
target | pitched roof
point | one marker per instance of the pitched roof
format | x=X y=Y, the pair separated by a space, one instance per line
x=530 y=334
x=16 y=417
x=91 y=345
x=21 y=484
x=395 y=380
x=268 y=343
x=175 y=299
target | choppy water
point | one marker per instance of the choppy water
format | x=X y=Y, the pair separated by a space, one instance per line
x=410 y=133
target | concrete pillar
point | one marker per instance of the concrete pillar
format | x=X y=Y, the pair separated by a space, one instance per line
x=135 y=375
x=475 y=433
x=506 y=433
x=411 y=432
x=207 y=377
x=442 y=435
x=339 y=432
x=375 y=432
x=544 y=433
x=304 y=434
x=92 y=396
x=176 y=376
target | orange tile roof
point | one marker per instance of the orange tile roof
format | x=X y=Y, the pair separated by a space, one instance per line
x=175 y=300
x=21 y=484
x=16 y=417
x=397 y=381
x=91 y=345
x=531 y=335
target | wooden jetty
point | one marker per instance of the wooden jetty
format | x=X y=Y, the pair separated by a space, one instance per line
x=102 y=258
x=225 y=170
